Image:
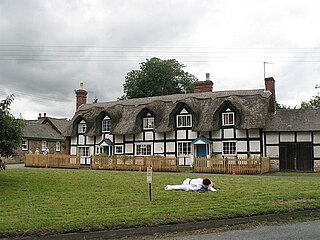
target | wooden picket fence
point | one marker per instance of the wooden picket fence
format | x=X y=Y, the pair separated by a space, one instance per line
x=130 y=163
x=232 y=165
x=52 y=161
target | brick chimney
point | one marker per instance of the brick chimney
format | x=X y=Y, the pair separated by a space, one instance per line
x=270 y=86
x=81 y=96
x=203 y=86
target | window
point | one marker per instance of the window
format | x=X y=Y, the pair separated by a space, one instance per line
x=43 y=145
x=184 y=120
x=106 y=124
x=83 y=151
x=148 y=123
x=228 y=118
x=118 y=149
x=82 y=127
x=24 y=144
x=143 y=149
x=229 y=148
x=58 y=146
x=184 y=148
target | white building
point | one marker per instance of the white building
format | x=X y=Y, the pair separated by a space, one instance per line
x=201 y=124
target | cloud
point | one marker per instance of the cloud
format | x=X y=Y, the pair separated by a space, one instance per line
x=48 y=47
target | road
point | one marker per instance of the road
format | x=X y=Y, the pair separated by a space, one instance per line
x=303 y=231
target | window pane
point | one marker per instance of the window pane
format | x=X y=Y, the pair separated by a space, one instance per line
x=148 y=123
x=106 y=125
x=184 y=120
x=184 y=148
x=229 y=148
x=143 y=149
x=228 y=118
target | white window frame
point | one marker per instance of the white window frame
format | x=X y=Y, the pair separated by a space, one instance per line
x=184 y=120
x=148 y=123
x=82 y=127
x=229 y=150
x=118 y=149
x=143 y=149
x=184 y=149
x=58 y=146
x=106 y=124
x=43 y=145
x=24 y=145
x=84 y=151
x=228 y=119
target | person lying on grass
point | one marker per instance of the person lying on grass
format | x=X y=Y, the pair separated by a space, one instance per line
x=197 y=184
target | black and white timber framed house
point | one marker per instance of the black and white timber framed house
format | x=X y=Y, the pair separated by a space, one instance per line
x=206 y=123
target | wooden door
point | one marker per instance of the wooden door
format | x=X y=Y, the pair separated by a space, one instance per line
x=296 y=156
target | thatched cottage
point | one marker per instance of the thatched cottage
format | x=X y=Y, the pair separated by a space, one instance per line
x=201 y=124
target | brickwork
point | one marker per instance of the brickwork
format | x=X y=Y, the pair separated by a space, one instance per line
x=202 y=86
x=33 y=144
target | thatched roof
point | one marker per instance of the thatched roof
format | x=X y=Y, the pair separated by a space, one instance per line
x=250 y=105
x=294 y=120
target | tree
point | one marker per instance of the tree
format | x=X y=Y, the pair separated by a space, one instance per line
x=282 y=106
x=157 y=77
x=312 y=103
x=10 y=129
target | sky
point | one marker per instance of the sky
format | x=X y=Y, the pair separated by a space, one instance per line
x=48 y=47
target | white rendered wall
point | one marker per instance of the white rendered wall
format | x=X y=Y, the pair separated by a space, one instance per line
x=303 y=137
x=287 y=137
x=272 y=138
x=272 y=151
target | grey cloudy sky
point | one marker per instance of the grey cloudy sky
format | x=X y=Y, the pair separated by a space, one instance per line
x=47 y=47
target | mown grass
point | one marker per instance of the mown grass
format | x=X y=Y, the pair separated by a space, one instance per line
x=43 y=201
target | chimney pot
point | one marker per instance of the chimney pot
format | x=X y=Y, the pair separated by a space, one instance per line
x=207 y=76
x=81 y=96
x=45 y=115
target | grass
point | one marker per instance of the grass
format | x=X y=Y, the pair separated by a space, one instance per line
x=44 y=201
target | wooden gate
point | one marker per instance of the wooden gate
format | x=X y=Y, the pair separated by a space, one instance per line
x=296 y=156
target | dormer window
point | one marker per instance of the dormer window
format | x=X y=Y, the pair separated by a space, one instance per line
x=184 y=119
x=148 y=122
x=106 y=124
x=228 y=118
x=82 y=127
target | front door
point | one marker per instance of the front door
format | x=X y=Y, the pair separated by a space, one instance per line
x=107 y=150
x=201 y=150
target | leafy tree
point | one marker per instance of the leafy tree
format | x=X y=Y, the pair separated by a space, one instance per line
x=312 y=103
x=282 y=106
x=158 y=77
x=10 y=129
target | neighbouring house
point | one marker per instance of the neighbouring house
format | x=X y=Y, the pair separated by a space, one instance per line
x=45 y=132
x=206 y=123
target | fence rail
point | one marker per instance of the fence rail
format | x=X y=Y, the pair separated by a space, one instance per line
x=158 y=163
x=232 y=165
x=52 y=160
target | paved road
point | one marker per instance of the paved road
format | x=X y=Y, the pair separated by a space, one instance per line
x=294 y=231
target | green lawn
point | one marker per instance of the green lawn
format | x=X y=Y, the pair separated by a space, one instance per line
x=42 y=201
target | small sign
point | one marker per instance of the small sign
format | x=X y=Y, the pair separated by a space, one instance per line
x=149 y=174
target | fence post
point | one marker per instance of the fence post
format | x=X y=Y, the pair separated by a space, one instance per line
x=226 y=165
